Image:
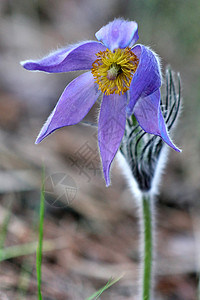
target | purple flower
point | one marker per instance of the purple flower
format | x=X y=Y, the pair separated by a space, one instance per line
x=128 y=78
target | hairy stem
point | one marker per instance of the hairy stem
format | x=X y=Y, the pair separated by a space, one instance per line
x=147 y=243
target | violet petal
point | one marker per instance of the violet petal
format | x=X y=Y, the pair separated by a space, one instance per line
x=147 y=78
x=74 y=103
x=118 y=34
x=73 y=58
x=149 y=116
x=112 y=120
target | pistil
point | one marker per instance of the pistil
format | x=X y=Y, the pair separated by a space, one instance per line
x=114 y=71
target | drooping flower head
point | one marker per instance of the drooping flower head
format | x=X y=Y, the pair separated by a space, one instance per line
x=128 y=77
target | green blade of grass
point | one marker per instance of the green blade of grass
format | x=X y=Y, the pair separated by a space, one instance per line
x=110 y=282
x=4 y=226
x=40 y=242
x=29 y=248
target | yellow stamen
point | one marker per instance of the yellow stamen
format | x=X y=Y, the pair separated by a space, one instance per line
x=113 y=71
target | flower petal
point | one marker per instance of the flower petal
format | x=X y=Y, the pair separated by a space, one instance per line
x=74 y=103
x=75 y=57
x=112 y=120
x=149 y=116
x=118 y=34
x=147 y=78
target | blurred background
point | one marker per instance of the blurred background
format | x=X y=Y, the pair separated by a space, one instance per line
x=90 y=231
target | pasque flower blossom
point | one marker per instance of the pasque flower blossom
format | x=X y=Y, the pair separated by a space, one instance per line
x=128 y=77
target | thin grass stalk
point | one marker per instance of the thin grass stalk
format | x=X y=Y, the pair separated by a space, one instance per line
x=40 y=239
x=110 y=282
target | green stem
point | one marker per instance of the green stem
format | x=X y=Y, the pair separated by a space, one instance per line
x=147 y=246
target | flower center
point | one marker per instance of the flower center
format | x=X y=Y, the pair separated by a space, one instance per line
x=113 y=71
